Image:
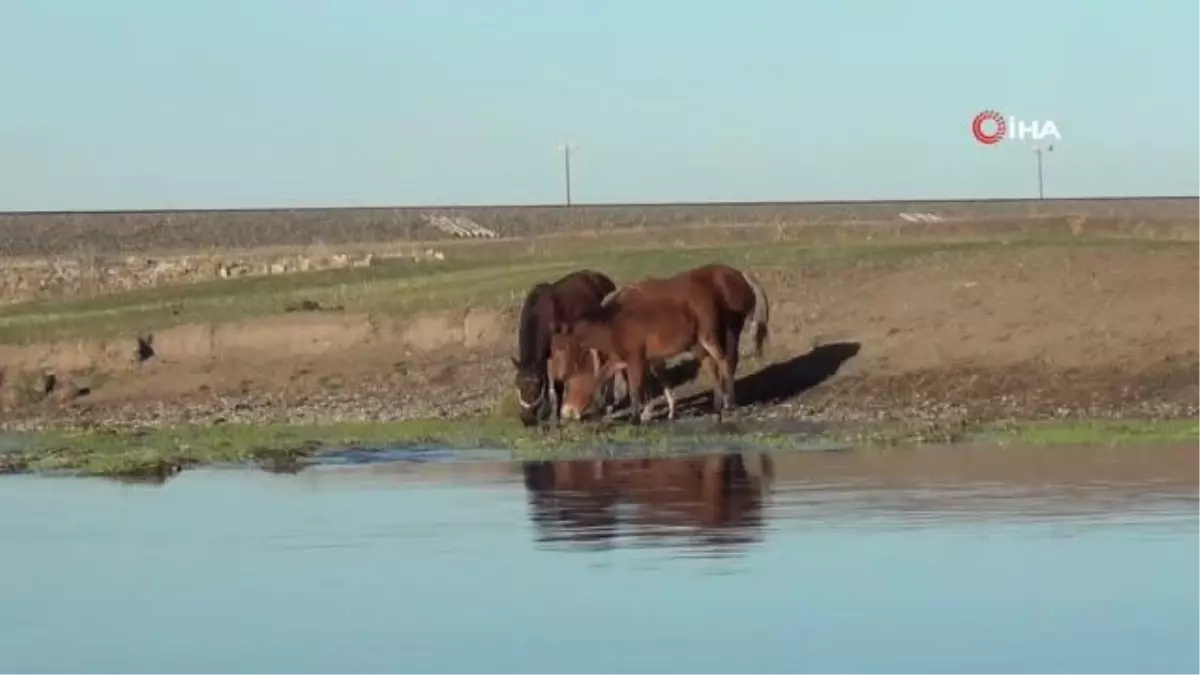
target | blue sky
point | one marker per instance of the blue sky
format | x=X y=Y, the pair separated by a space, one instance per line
x=248 y=103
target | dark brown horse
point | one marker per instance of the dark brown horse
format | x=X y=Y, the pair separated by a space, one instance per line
x=565 y=299
x=739 y=296
x=638 y=330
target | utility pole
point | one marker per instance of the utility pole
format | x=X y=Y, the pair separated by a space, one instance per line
x=566 y=149
x=1037 y=149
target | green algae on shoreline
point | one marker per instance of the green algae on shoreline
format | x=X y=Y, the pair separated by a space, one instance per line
x=147 y=453
x=132 y=452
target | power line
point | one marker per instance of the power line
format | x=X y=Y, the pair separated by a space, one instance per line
x=566 y=148
x=1037 y=149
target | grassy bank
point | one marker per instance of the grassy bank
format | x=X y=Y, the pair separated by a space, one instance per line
x=163 y=452
x=482 y=277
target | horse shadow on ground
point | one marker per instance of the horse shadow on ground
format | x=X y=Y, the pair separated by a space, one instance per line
x=771 y=385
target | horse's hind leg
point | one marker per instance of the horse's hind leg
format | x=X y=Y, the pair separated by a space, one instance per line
x=722 y=388
x=708 y=364
x=710 y=334
x=712 y=373
x=732 y=340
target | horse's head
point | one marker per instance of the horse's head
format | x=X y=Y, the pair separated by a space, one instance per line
x=577 y=399
x=578 y=368
x=530 y=384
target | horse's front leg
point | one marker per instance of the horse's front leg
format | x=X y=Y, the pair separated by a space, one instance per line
x=634 y=377
x=606 y=398
x=552 y=393
x=557 y=387
x=619 y=391
x=648 y=400
x=604 y=392
x=732 y=347
x=659 y=371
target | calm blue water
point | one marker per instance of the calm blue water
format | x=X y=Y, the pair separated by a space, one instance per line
x=929 y=561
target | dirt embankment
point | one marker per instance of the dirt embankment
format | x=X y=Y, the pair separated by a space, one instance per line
x=90 y=275
x=1038 y=333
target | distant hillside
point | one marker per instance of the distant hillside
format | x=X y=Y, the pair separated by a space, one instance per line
x=44 y=233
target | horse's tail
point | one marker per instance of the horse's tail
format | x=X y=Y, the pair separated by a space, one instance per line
x=760 y=318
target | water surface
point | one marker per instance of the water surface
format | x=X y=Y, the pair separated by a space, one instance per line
x=931 y=560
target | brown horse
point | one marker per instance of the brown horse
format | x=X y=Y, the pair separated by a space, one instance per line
x=637 y=331
x=565 y=299
x=740 y=297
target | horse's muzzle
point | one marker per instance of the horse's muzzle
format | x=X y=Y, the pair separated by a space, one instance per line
x=529 y=417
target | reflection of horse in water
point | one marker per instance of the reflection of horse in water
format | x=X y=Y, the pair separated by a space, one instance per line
x=715 y=499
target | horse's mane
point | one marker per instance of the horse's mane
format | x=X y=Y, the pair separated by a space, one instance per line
x=527 y=333
x=611 y=297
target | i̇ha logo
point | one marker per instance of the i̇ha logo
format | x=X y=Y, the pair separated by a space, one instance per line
x=990 y=127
